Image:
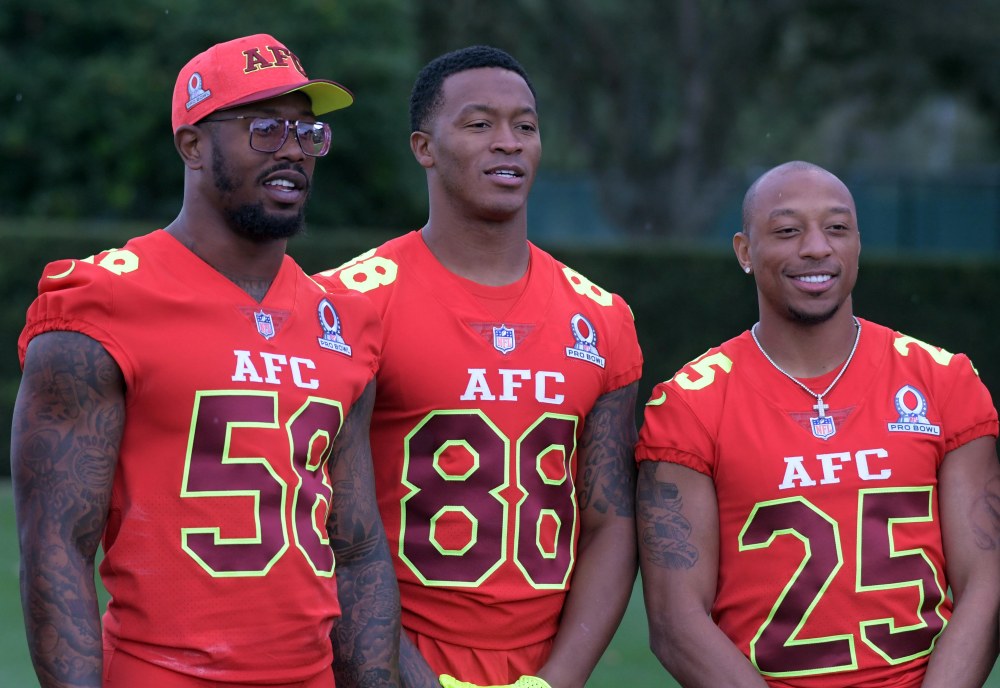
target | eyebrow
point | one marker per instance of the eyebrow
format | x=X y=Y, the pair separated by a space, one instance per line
x=833 y=210
x=489 y=109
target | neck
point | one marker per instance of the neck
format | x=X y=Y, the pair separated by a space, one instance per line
x=808 y=350
x=250 y=265
x=494 y=254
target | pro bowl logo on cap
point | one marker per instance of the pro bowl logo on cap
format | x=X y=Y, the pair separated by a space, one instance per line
x=585 y=348
x=911 y=405
x=329 y=321
x=196 y=91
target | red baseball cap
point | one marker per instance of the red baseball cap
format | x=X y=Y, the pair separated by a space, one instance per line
x=243 y=71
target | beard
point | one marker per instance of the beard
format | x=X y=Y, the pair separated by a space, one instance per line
x=812 y=318
x=250 y=220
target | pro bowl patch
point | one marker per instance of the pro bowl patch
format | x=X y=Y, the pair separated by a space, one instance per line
x=329 y=322
x=912 y=407
x=585 y=348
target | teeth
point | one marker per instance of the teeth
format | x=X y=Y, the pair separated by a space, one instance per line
x=505 y=173
x=814 y=279
x=281 y=182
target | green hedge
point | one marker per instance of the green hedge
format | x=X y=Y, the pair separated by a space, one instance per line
x=684 y=300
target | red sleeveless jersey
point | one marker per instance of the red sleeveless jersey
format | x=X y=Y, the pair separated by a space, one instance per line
x=481 y=401
x=831 y=565
x=216 y=554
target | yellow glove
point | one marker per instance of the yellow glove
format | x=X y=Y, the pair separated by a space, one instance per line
x=452 y=682
x=531 y=682
x=523 y=682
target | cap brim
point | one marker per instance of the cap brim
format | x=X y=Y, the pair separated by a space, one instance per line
x=326 y=96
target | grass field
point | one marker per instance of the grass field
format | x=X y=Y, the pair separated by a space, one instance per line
x=628 y=663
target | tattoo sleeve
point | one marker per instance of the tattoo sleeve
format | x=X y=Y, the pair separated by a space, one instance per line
x=366 y=636
x=664 y=532
x=413 y=668
x=607 y=481
x=66 y=432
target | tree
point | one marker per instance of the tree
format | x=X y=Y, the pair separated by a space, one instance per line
x=667 y=103
x=87 y=93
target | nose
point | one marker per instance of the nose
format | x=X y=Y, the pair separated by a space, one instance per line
x=815 y=243
x=506 y=140
x=291 y=149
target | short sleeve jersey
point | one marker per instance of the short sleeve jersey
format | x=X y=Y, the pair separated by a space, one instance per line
x=831 y=567
x=481 y=401
x=216 y=555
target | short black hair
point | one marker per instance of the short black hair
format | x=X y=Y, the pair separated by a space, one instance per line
x=426 y=96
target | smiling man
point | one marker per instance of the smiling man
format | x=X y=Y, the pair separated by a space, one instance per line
x=201 y=406
x=811 y=489
x=503 y=429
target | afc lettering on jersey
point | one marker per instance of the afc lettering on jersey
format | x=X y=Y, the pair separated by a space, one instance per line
x=273 y=369
x=870 y=464
x=510 y=384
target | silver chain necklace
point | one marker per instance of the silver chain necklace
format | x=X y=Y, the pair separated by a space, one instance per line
x=823 y=425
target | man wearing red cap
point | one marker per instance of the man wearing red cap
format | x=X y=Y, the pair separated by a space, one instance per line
x=194 y=401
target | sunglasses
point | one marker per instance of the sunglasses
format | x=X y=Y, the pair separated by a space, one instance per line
x=268 y=134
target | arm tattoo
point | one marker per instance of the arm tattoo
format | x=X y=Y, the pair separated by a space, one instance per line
x=664 y=533
x=414 y=672
x=607 y=476
x=984 y=514
x=366 y=636
x=67 y=428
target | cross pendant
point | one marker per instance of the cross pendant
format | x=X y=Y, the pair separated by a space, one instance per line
x=820 y=407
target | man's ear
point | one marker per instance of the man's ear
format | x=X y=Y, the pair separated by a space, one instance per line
x=192 y=144
x=741 y=247
x=420 y=144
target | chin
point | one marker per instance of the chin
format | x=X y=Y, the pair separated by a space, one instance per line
x=254 y=223
x=809 y=318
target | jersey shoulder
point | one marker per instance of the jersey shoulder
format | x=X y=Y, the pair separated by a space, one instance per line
x=923 y=359
x=373 y=274
x=706 y=379
x=84 y=293
x=581 y=289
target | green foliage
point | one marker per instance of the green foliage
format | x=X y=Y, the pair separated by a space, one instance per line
x=87 y=113
x=668 y=106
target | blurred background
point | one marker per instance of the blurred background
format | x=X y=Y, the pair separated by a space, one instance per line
x=655 y=117
x=656 y=114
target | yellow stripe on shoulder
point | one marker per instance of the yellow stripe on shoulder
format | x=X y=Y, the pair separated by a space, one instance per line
x=902 y=343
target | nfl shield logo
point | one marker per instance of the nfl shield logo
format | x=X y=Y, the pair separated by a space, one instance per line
x=823 y=427
x=264 y=324
x=503 y=339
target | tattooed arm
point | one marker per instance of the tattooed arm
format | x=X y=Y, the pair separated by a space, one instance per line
x=969 y=499
x=414 y=670
x=678 y=528
x=606 y=565
x=65 y=435
x=366 y=636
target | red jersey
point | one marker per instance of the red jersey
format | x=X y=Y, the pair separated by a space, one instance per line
x=831 y=567
x=216 y=554
x=482 y=396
